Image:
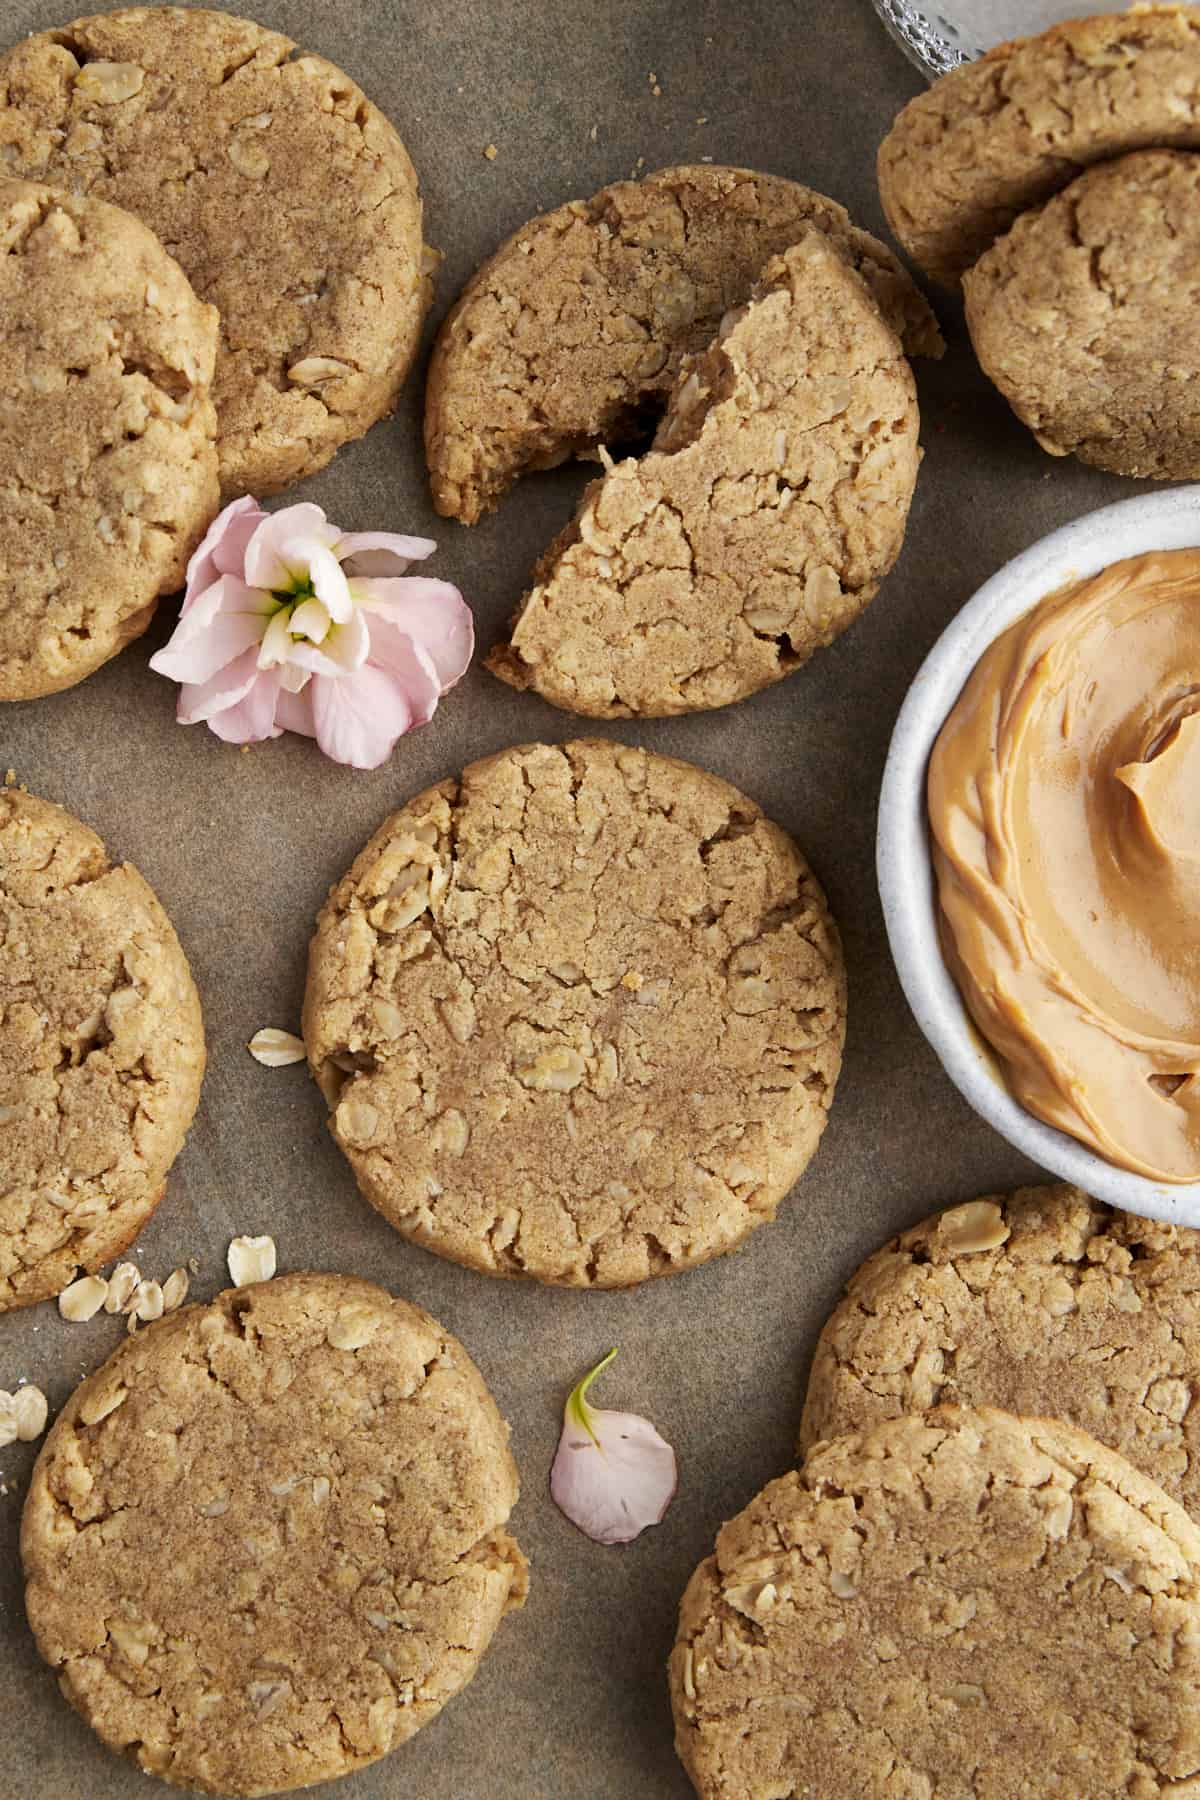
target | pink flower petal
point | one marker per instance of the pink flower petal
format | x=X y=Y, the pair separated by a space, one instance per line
x=613 y=1474
x=329 y=583
x=224 y=620
x=294 y=711
x=359 y=717
x=408 y=663
x=381 y=552
x=222 y=550
x=253 y=718
x=265 y=564
x=432 y=613
x=344 y=650
x=198 y=701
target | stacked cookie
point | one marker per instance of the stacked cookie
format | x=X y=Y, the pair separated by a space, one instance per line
x=946 y=1596
x=766 y=335
x=1057 y=180
x=212 y=134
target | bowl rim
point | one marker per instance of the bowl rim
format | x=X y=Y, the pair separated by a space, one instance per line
x=1167 y=519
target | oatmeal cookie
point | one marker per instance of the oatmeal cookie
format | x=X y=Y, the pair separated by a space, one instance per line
x=108 y=465
x=756 y=529
x=101 y=1050
x=572 y=334
x=264 y=1544
x=960 y=1602
x=286 y=195
x=579 y=1015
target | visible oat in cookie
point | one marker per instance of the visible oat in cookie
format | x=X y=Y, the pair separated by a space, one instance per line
x=108 y=466
x=505 y=1096
x=264 y=1546
x=286 y=195
x=573 y=333
x=960 y=1602
x=101 y=1053
x=759 y=525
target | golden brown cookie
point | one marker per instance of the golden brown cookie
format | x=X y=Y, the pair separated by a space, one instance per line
x=759 y=525
x=579 y=1015
x=108 y=465
x=101 y=1050
x=286 y=195
x=959 y=1603
x=264 y=1543
x=572 y=334
x=999 y=135
x=1043 y=1301
x=1085 y=316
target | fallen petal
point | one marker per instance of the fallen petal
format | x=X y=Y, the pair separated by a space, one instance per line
x=613 y=1475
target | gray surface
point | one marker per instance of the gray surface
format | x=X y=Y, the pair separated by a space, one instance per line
x=571 y=1702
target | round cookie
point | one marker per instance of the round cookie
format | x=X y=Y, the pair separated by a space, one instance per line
x=1003 y=133
x=287 y=196
x=264 y=1544
x=108 y=470
x=573 y=333
x=579 y=1016
x=101 y=1050
x=950 y=1604
x=1085 y=316
x=759 y=525
x=1043 y=1301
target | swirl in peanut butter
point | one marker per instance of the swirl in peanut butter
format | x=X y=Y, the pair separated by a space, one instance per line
x=1064 y=802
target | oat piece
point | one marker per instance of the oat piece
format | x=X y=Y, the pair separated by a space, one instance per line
x=1085 y=316
x=1078 y=1310
x=101 y=1050
x=306 y=1565
x=83 y=1299
x=504 y=1097
x=108 y=465
x=251 y=1259
x=572 y=334
x=956 y=1603
x=756 y=529
x=276 y=1049
x=286 y=195
x=1003 y=133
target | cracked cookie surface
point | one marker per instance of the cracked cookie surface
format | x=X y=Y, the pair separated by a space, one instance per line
x=108 y=466
x=572 y=334
x=1042 y=1301
x=1085 y=316
x=754 y=531
x=579 y=1016
x=287 y=197
x=101 y=1050
x=264 y=1543
x=956 y=1603
x=1003 y=133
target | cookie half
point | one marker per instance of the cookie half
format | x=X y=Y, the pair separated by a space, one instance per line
x=101 y=1050
x=1003 y=133
x=264 y=1544
x=579 y=1015
x=572 y=334
x=108 y=466
x=1043 y=1301
x=286 y=195
x=760 y=524
x=957 y=1603
x=1085 y=316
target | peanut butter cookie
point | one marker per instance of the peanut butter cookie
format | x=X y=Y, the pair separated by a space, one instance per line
x=579 y=1015
x=287 y=196
x=1085 y=316
x=957 y=1603
x=101 y=1050
x=572 y=334
x=756 y=529
x=1043 y=1301
x=108 y=466
x=999 y=135
x=264 y=1543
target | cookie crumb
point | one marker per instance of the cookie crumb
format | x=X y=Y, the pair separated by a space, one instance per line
x=592 y=136
x=10 y=778
x=491 y=152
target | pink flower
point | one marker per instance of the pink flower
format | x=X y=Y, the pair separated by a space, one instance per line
x=289 y=624
x=613 y=1474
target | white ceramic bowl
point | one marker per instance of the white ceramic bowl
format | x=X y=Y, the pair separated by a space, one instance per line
x=1166 y=519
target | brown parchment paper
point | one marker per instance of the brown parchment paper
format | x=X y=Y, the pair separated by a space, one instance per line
x=571 y=1702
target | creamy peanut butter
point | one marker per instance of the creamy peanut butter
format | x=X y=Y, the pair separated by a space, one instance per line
x=1064 y=802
